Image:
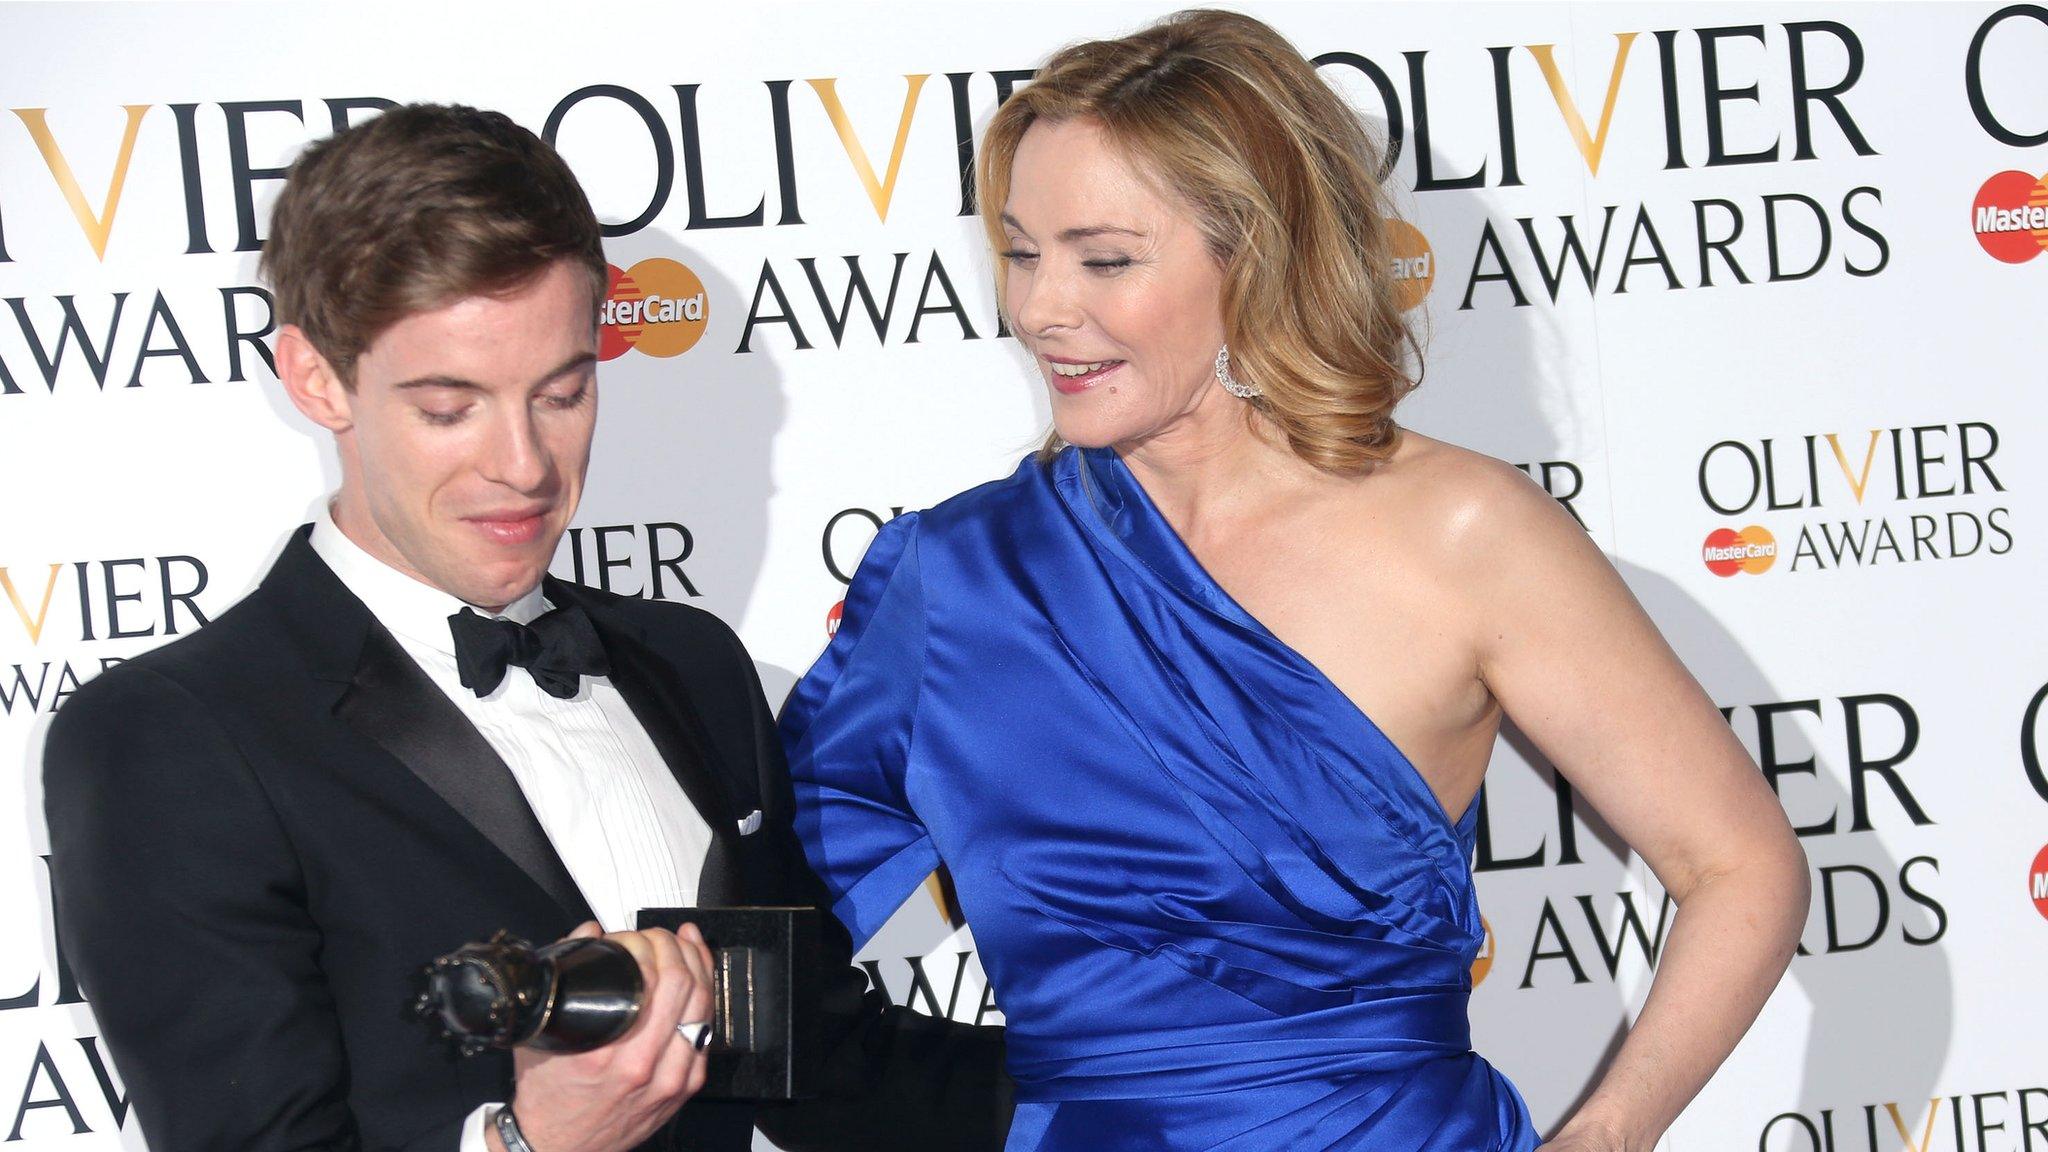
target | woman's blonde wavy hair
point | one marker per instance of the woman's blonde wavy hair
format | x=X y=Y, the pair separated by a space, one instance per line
x=1285 y=183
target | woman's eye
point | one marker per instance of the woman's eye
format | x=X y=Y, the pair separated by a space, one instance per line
x=1108 y=264
x=1020 y=256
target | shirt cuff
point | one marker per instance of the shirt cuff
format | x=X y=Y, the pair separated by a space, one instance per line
x=474 y=1127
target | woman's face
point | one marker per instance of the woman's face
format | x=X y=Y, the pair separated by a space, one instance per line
x=1112 y=289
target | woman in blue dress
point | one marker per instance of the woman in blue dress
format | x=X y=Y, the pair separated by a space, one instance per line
x=1195 y=705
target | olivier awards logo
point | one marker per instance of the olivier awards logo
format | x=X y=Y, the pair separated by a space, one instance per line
x=1840 y=766
x=657 y=307
x=1856 y=499
x=2010 y=216
x=1672 y=239
x=67 y=611
x=644 y=560
x=1963 y=1122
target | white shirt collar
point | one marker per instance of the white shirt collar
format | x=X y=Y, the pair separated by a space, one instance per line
x=402 y=603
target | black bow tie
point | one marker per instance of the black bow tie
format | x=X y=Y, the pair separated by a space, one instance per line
x=559 y=649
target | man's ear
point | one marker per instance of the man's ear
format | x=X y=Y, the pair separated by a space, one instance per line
x=312 y=383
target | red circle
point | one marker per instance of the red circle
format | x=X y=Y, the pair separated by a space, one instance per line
x=2008 y=192
x=612 y=340
x=2037 y=881
x=1722 y=538
x=832 y=619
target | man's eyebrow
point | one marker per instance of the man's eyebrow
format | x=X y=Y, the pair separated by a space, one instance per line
x=573 y=364
x=441 y=380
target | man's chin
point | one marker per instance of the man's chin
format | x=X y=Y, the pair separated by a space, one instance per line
x=497 y=584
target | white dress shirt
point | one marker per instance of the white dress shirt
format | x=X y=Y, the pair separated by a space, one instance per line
x=610 y=806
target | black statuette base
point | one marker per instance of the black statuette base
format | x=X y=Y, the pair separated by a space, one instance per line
x=765 y=1036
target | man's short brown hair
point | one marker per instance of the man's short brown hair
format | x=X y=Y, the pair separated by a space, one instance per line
x=425 y=205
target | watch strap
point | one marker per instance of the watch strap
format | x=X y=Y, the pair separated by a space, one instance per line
x=508 y=1131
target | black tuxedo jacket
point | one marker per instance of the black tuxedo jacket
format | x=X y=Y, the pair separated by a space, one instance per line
x=261 y=831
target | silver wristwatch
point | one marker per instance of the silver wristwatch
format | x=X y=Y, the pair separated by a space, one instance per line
x=508 y=1131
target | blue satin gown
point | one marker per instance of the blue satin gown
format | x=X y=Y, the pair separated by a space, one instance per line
x=1219 y=909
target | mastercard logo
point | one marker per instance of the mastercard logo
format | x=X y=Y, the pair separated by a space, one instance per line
x=832 y=619
x=1413 y=263
x=657 y=307
x=1750 y=550
x=2037 y=881
x=2010 y=216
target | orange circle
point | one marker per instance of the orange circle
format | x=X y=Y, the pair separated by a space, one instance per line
x=1483 y=963
x=1763 y=550
x=1413 y=263
x=657 y=306
x=2037 y=199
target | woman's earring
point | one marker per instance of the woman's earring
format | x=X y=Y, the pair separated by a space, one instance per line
x=1230 y=383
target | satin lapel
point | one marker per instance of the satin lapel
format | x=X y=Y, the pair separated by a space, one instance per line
x=659 y=701
x=391 y=701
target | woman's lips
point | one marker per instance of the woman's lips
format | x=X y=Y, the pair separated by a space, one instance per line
x=1073 y=384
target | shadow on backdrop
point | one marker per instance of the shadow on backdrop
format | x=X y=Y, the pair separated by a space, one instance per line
x=681 y=474
x=1881 y=1014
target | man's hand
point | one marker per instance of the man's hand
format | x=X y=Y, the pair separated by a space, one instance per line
x=614 y=1097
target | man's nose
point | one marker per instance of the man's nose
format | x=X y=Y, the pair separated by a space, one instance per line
x=516 y=457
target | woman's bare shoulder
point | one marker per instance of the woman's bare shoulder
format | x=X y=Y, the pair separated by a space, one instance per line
x=1468 y=507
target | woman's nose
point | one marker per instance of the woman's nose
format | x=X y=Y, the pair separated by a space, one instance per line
x=1042 y=302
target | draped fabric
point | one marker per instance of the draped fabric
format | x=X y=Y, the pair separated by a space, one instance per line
x=1218 y=907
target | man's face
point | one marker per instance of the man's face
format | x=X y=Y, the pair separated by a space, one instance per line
x=469 y=434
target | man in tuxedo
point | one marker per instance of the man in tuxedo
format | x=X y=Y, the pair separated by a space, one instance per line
x=409 y=736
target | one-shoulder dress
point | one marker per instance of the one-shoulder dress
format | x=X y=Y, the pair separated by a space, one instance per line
x=1218 y=908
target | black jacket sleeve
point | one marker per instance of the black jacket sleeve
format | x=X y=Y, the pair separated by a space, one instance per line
x=182 y=904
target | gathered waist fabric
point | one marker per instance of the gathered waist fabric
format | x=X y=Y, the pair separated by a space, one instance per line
x=1381 y=1035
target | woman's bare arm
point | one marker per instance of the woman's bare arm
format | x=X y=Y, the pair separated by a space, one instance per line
x=1579 y=667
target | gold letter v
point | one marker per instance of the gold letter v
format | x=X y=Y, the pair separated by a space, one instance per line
x=1590 y=147
x=1926 y=1143
x=1857 y=484
x=879 y=191
x=97 y=227
x=35 y=628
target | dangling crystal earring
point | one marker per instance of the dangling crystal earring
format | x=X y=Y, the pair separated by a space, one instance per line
x=1230 y=383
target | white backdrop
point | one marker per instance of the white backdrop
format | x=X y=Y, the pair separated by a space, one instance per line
x=1787 y=340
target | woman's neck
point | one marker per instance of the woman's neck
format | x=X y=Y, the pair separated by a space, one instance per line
x=1216 y=466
